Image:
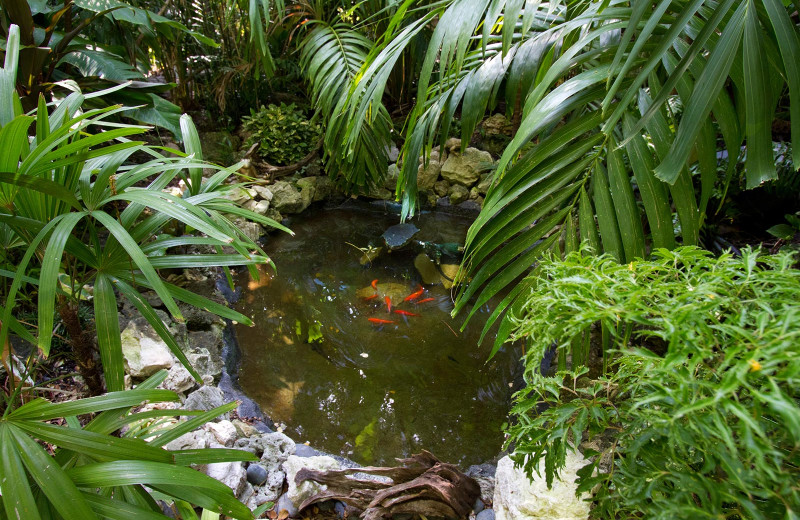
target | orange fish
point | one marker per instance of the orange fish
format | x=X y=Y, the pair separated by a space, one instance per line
x=370 y=297
x=404 y=313
x=426 y=300
x=375 y=284
x=388 y=303
x=378 y=321
x=414 y=295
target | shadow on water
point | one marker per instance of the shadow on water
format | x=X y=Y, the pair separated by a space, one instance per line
x=365 y=390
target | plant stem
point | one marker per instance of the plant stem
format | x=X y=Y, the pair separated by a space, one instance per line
x=83 y=347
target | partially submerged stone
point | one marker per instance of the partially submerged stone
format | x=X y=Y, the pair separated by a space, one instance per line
x=399 y=235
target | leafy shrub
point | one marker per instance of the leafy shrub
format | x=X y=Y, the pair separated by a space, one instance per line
x=701 y=394
x=286 y=135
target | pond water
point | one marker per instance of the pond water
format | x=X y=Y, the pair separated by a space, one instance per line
x=369 y=391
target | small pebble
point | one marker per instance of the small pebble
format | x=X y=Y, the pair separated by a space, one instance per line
x=256 y=474
x=486 y=514
x=340 y=509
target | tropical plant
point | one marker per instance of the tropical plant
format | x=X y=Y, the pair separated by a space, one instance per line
x=284 y=134
x=92 y=473
x=602 y=152
x=694 y=413
x=92 y=46
x=86 y=218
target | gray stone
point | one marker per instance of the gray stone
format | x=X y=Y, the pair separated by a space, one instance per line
x=457 y=194
x=210 y=340
x=257 y=206
x=239 y=195
x=208 y=365
x=465 y=169
x=517 y=498
x=393 y=153
x=287 y=199
x=453 y=145
x=256 y=474
x=399 y=235
x=484 y=475
x=179 y=380
x=485 y=183
x=204 y=398
x=285 y=504
x=497 y=124
x=251 y=230
x=392 y=174
x=298 y=494
x=340 y=509
x=486 y=514
x=275 y=448
x=478 y=506
x=196 y=440
x=145 y=353
x=303 y=450
x=316 y=189
x=244 y=429
x=224 y=432
x=263 y=192
x=232 y=474
x=427 y=175
x=441 y=188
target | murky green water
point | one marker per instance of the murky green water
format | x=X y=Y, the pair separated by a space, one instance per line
x=367 y=391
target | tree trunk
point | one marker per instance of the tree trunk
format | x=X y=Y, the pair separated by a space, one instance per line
x=82 y=343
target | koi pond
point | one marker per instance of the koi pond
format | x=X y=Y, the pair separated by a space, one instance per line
x=360 y=358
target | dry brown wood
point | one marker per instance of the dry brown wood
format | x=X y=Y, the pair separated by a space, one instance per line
x=421 y=485
x=275 y=172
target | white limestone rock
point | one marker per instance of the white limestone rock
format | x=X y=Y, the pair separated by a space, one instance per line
x=517 y=498
x=179 y=380
x=232 y=474
x=144 y=352
x=224 y=432
x=298 y=494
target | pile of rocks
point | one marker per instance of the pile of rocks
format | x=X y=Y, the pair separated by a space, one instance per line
x=449 y=175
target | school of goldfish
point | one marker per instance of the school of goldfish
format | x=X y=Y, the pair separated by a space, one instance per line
x=413 y=297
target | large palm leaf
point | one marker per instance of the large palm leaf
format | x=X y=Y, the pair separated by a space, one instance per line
x=597 y=132
x=332 y=55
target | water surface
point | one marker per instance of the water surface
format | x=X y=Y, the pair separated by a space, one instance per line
x=370 y=392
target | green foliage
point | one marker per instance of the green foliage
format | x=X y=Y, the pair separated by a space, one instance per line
x=92 y=46
x=356 y=151
x=83 y=215
x=284 y=133
x=93 y=473
x=593 y=85
x=698 y=412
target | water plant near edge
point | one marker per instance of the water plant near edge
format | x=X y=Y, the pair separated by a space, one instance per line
x=83 y=217
x=694 y=413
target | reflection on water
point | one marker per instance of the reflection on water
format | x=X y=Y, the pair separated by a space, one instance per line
x=368 y=391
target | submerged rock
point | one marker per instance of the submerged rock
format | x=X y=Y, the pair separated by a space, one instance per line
x=399 y=236
x=517 y=498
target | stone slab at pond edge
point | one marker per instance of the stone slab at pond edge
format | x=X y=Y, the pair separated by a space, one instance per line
x=517 y=498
